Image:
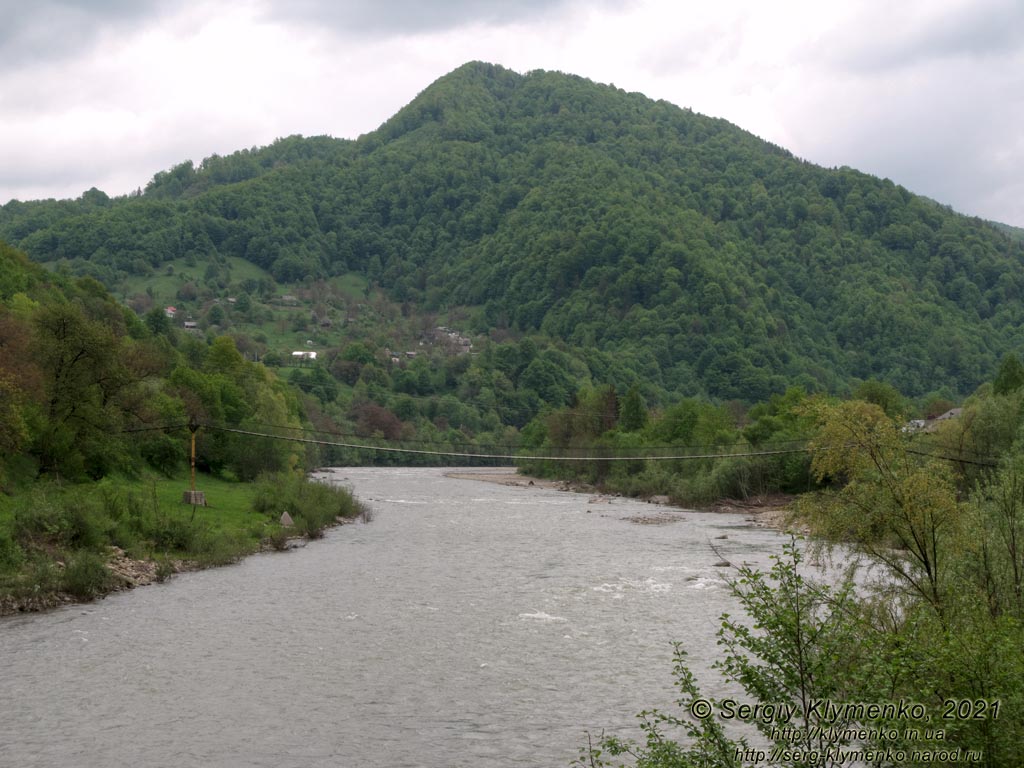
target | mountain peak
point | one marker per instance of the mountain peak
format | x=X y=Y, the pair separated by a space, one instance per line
x=547 y=203
x=458 y=103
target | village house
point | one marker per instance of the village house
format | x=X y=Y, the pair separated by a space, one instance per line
x=930 y=425
x=450 y=340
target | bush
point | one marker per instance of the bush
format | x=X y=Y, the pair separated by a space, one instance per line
x=68 y=520
x=164 y=571
x=163 y=453
x=312 y=505
x=216 y=547
x=36 y=518
x=809 y=645
x=135 y=520
x=278 y=539
x=86 y=576
x=40 y=577
x=85 y=526
x=173 y=532
x=11 y=555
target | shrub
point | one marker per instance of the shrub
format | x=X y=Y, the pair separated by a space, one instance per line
x=164 y=571
x=163 y=453
x=173 y=532
x=41 y=577
x=809 y=645
x=312 y=505
x=278 y=539
x=11 y=555
x=83 y=524
x=36 y=518
x=86 y=576
x=216 y=547
x=47 y=516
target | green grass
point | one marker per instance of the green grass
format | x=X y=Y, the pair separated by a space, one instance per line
x=350 y=284
x=54 y=539
x=228 y=504
x=242 y=269
x=373 y=318
x=165 y=286
x=277 y=330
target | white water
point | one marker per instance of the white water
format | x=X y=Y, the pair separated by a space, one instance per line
x=469 y=624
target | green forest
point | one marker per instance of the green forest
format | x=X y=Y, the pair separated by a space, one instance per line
x=97 y=407
x=465 y=285
x=919 y=627
x=596 y=286
x=513 y=265
x=698 y=259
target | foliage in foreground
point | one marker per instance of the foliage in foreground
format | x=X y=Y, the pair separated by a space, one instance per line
x=929 y=615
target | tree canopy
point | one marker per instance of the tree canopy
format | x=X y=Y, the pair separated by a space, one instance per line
x=715 y=262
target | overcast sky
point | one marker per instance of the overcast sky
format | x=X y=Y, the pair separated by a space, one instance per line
x=105 y=93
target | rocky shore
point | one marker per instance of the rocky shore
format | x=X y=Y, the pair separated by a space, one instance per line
x=129 y=572
x=770 y=511
x=125 y=573
x=508 y=476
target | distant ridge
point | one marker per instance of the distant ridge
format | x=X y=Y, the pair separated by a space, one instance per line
x=712 y=261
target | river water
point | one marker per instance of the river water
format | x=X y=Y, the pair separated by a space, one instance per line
x=469 y=624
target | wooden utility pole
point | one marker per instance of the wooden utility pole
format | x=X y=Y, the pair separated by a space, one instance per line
x=192 y=496
x=193 y=428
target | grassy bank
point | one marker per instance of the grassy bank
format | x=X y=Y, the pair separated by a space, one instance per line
x=63 y=543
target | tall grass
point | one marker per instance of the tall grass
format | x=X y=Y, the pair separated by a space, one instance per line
x=312 y=505
x=86 y=576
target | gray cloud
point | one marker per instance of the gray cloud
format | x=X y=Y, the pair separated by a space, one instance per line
x=397 y=17
x=47 y=30
x=949 y=131
x=981 y=30
x=928 y=94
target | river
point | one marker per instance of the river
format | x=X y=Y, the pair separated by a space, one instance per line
x=468 y=624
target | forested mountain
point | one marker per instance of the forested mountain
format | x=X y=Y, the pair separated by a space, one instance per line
x=98 y=411
x=699 y=257
x=603 y=266
x=88 y=389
